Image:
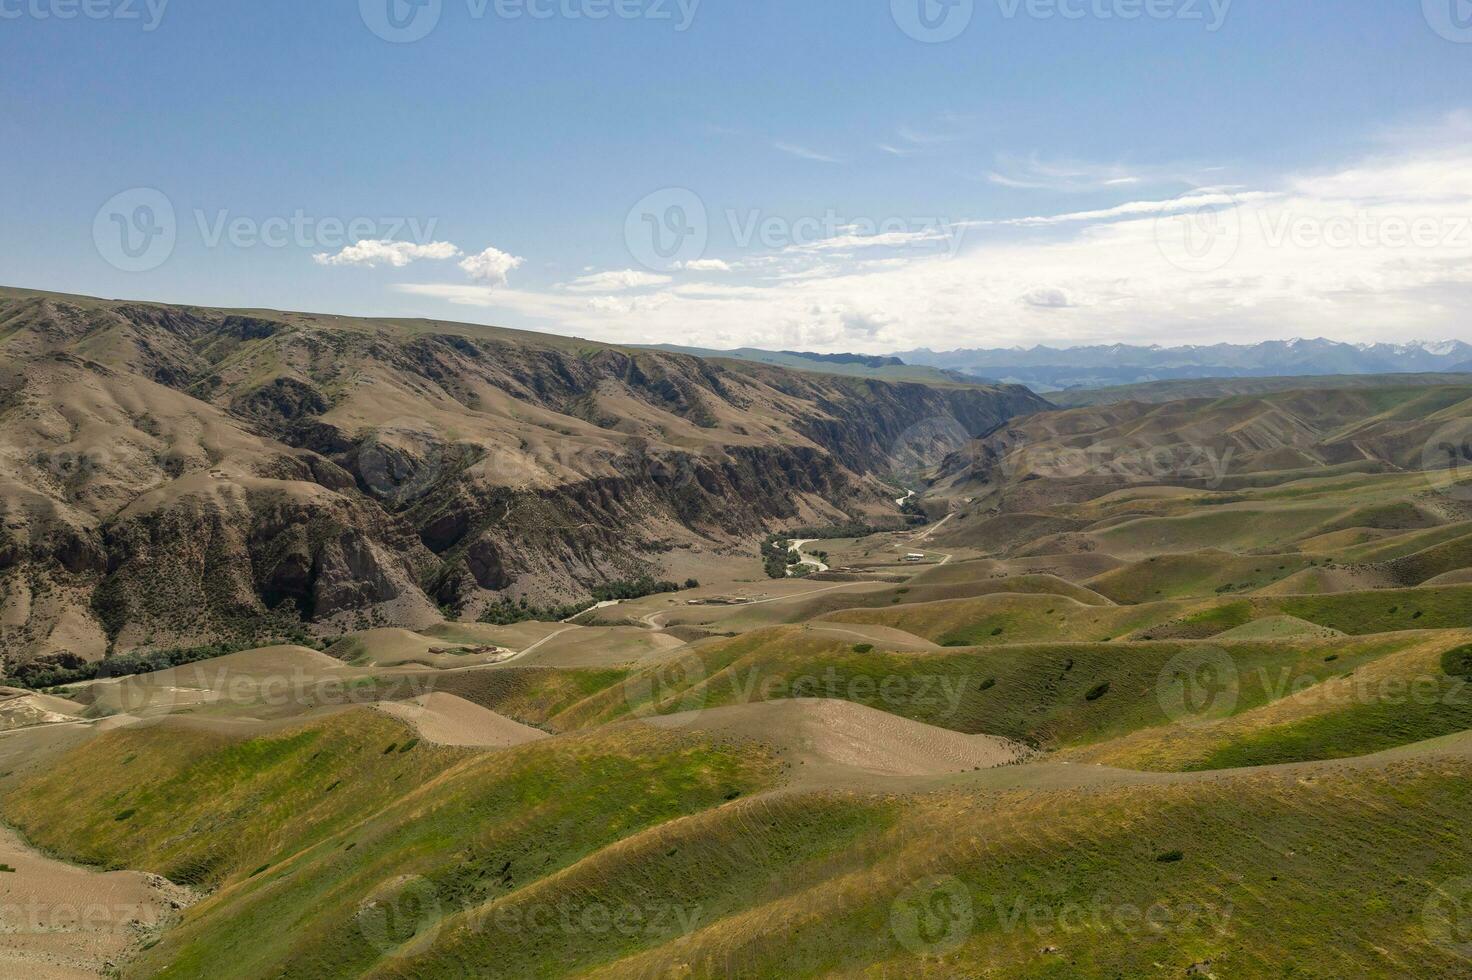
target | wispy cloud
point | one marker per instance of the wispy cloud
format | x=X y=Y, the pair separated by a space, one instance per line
x=1134 y=209
x=922 y=137
x=804 y=153
x=615 y=281
x=1074 y=176
x=1379 y=247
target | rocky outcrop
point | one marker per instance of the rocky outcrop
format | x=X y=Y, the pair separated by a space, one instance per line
x=177 y=475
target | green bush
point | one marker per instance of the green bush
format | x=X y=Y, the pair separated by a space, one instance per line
x=64 y=667
x=1458 y=662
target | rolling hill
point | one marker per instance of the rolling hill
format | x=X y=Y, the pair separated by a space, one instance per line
x=1173 y=689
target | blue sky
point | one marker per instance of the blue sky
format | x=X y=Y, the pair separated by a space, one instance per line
x=842 y=184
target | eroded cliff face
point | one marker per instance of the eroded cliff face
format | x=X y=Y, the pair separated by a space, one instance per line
x=174 y=475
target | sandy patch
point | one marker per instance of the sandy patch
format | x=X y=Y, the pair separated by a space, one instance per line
x=449 y=720
x=59 y=921
x=824 y=738
x=25 y=710
x=1278 y=628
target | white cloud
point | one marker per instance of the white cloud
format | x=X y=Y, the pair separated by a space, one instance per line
x=628 y=305
x=375 y=252
x=1134 y=209
x=919 y=137
x=704 y=265
x=884 y=239
x=1331 y=253
x=616 y=281
x=803 y=153
x=492 y=265
x=1074 y=176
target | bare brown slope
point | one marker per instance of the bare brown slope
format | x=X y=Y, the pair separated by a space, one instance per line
x=837 y=742
x=176 y=475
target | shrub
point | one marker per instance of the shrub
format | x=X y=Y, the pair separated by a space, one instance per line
x=864 y=648
x=1171 y=857
x=1098 y=692
x=1458 y=662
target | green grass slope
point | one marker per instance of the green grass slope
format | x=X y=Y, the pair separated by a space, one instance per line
x=307 y=826
x=635 y=853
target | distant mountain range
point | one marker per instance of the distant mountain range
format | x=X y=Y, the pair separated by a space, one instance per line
x=879 y=367
x=1052 y=369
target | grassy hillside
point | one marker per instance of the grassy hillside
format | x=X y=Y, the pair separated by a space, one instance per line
x=1210 y=718
x=308 y=825
x=632 y=853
